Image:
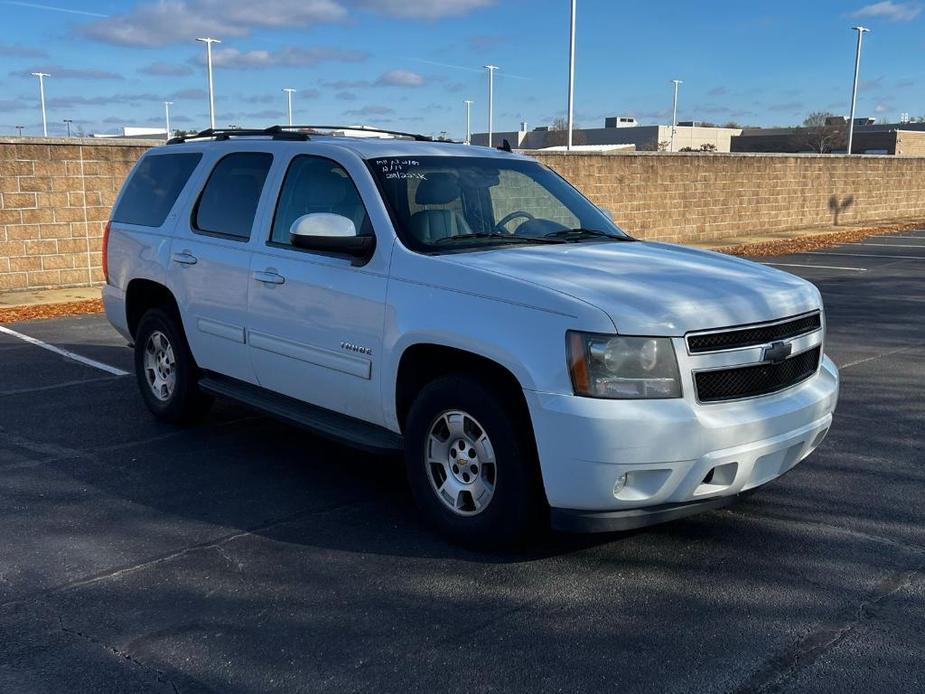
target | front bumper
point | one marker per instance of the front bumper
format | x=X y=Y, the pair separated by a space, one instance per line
x=678 y=457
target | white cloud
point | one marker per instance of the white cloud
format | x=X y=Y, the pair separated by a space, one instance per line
x=20 y=51
x=64 y=73
x=400 y=78
x=430 y=9
x=166 y=70
x=162 y=22
x=892 y=11
x=371 y=110
x=286 y=56
x=171 y=21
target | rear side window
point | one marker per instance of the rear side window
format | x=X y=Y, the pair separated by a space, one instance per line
x=228 y=203
x=154 y=187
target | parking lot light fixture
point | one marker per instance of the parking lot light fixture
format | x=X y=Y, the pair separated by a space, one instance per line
x=42 y=76
x=571 y=80
x=289 y=98
x=854 y=88
x=67 y=122
x=674 y=113
x=491 y=98
x=209 y=41
x=167 y=105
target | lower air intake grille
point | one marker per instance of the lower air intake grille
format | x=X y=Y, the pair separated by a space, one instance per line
x=752 y=381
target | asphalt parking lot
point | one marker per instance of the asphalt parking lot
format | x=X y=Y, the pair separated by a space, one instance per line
x=246 y=556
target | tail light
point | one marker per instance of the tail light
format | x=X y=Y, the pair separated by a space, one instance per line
x=106 y=251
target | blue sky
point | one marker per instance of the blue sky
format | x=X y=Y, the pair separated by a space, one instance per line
x=409 y=64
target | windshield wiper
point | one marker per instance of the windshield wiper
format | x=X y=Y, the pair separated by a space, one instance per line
x=582 y=233
x=501 y=237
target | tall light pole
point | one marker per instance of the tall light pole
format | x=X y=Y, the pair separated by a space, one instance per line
x=571 y=80
x=20 y=128
x=167 y=105
x=854 y=89
x=67 y=122
x=674 y=112
x=491 y=99
x=289 y=97
x=468 y=103
x=209 y=41
x=42 y=76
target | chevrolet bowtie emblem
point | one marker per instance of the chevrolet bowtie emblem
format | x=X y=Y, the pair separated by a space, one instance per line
x=777 y=352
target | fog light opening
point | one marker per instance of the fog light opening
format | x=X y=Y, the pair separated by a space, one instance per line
x=619 y=484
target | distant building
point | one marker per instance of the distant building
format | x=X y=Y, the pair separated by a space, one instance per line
x=618 y=130
x=132 y=132
x=598 y=149
x=869 y=138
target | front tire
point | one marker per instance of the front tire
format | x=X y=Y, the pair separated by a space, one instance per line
x=471 y=463
x=166 y=372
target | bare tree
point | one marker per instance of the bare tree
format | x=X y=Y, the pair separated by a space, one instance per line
x=821 y=132
x=558 y=134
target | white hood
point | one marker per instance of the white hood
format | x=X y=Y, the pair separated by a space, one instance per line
x=654 y=288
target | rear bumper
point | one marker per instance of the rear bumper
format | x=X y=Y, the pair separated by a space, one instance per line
x=671 y=458
x=114 y=305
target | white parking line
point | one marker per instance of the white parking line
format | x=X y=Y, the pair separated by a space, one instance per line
x=64 y=353
x=891 y=245
x=869 y=255
x=819 y=267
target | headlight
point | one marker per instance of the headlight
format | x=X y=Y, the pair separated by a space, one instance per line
x=614 y=366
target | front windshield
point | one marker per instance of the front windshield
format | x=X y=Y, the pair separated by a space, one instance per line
x=465 y=203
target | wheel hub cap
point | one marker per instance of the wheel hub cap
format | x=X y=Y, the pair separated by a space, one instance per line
x=160 y=366
x=461 y=463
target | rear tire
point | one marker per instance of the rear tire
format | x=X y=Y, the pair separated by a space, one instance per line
x=471 y=463
x=166 y=371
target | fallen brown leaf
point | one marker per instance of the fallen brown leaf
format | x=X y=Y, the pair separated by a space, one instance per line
x=35 y=311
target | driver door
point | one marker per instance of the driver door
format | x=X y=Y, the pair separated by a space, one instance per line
x=315 y=318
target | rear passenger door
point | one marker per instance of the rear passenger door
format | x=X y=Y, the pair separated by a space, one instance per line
x=210 y=261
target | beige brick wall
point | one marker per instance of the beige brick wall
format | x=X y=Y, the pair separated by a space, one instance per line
x=694 y=197
x=55 y=198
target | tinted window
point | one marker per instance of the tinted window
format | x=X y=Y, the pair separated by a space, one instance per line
x=228 y=203
x=316 y=184
x=153 y=188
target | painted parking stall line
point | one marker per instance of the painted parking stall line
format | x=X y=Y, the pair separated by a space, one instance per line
x=67 y=354
x=892 y=245
x=819 y=267
x=869 y=255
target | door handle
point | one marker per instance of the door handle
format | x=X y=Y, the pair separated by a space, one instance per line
x=185 y=258
x=269 y=277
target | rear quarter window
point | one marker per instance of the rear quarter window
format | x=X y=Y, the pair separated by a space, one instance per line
x=154 y=187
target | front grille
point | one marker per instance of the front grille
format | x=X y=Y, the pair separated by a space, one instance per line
x=756 y=335
x=760 y=379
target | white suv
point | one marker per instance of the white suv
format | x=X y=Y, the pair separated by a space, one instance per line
x=469 y=307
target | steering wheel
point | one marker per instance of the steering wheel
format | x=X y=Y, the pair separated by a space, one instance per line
x=510 y=217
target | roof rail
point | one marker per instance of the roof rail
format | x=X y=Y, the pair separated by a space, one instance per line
x=366 y=128
x=220 y=134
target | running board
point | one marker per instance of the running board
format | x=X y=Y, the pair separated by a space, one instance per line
x=331 y=425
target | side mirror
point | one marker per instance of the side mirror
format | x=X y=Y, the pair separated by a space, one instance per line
x=333 y=233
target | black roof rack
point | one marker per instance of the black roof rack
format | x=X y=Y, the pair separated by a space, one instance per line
x=275 y=132
x=288 y=132
x=366 y=128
